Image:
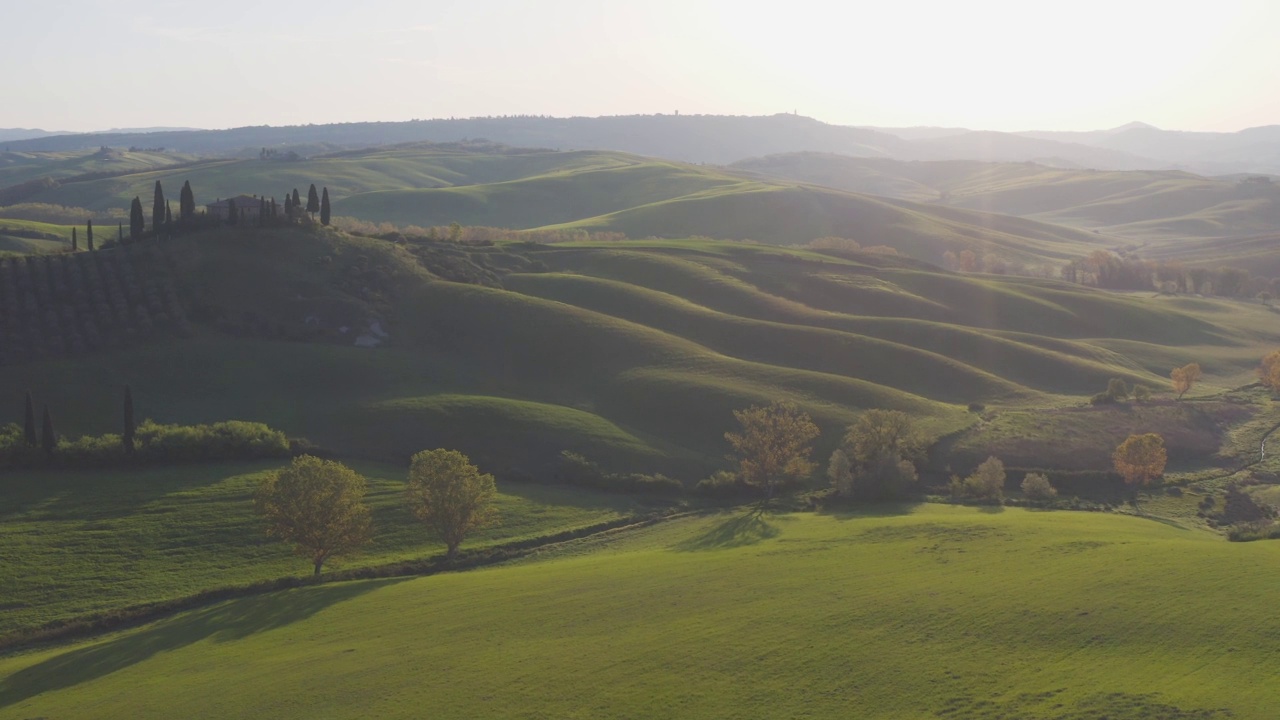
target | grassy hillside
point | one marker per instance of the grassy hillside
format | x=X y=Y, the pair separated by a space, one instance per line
x=1146 y=206
x=24 y=237
x=632 y=353
x=924 y=613
x=163 y=533
x=19 y=167
x=482 y=184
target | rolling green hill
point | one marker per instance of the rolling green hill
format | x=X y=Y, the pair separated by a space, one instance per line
x=633 y=353
x=19 y=167
x=482 y=184
x=1143 y=206
x=920 y=613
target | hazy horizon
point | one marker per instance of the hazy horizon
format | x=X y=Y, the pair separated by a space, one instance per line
x=87 y=65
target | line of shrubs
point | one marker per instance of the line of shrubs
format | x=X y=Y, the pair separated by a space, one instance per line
x=577 y=469
x=154 y=444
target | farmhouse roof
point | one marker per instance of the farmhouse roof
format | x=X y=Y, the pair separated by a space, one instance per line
x=241 y=201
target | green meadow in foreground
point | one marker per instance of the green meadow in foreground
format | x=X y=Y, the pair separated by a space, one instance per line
x=72 y=543
x=933 y=611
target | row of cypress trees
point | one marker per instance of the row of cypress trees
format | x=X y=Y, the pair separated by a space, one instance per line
x=48 y=437
x=162 y=213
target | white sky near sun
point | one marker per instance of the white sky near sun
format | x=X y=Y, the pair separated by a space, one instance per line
x=1061 y=65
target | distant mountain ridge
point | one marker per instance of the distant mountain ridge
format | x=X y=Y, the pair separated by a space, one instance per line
x=724 y=139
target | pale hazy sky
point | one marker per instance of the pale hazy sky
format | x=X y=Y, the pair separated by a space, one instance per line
x=1032 y=64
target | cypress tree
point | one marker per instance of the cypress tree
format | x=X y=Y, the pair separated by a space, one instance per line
x=88 y=235
x=29 y=422
x=75 y=244
x=313 y=200
x=288 y=206
x=232 y=215
x=120 y=233
x=47 y=437
x=273 y=206
x=157 y=209
x=168 y=216
x=262 y=210
x=129 y=428
x=137 y=221
x=324 y=208
x=297 y=202
x=186 y=203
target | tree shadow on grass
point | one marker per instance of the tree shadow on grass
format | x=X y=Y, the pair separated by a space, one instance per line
x=875 y=510
x=224 y=622
x=738 y=531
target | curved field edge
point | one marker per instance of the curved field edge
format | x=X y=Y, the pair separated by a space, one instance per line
x=906 y=613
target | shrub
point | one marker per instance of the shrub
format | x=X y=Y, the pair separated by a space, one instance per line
x=1239 y=507
x=156 y=444
x=722 y=483
x=576 y=469
x=657 y=484
x=1037 y=487
x=986 y=483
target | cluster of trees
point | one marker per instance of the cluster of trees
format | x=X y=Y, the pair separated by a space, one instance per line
x=878 y=456
x=163 y=224
x=318 y=505
x=876 y=460
x=1119 y=391
x=31 y=444
x=1109 y=270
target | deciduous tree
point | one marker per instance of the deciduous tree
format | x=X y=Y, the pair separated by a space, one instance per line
x=1140 y=459
x=1184 y=378
x=318 y=506
x=884 y=446
x=883 y=432
x=987 y=481
x=450 y=495
x=1269 y=370
x=774 y=445
x=840 y=473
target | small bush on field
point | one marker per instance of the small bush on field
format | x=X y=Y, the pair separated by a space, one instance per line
x=986 y=483
x=1037 y=487
x=577 y=469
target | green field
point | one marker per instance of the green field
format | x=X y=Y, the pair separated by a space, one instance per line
x=924 y=612
x=74 y=542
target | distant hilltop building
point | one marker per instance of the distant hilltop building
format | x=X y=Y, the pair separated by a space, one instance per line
x=247 y=207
